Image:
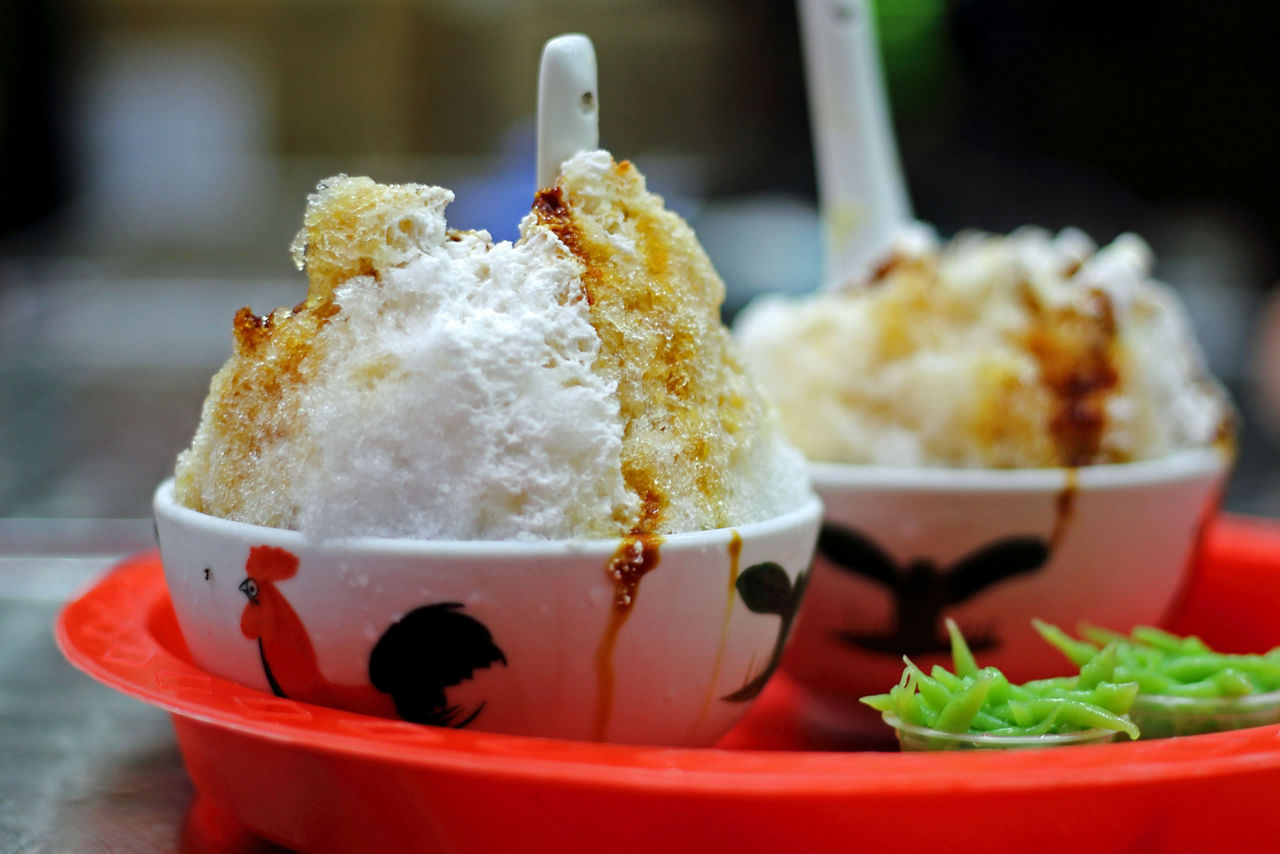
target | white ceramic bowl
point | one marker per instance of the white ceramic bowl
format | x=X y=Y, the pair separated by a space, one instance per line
x=901 y=549
x=511 y=637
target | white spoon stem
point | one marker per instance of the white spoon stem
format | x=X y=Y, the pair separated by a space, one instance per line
x=568 y=104
x=860 y=185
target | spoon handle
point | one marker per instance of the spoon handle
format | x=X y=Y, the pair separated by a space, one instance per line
x=568 y=104
x=860 y=183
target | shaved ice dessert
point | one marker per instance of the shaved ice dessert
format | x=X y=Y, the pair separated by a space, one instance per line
x=434 y=384
x=1020 y=351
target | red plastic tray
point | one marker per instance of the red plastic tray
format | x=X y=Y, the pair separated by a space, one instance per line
x=317 y=779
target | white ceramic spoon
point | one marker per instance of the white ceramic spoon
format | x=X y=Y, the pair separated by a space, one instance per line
x=861 y=190
x=568 y=104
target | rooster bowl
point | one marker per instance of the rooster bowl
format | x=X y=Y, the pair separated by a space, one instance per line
x=902 y=549
x=644 y=641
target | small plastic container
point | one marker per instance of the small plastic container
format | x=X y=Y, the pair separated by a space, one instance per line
x=1162 y=716
x=914 y=738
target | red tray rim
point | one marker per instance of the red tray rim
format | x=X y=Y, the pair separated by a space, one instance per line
x=106 y=632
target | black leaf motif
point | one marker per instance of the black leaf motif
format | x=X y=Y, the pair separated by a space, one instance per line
x=766 y=589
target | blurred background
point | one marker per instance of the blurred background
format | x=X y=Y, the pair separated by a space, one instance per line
x=161 y=152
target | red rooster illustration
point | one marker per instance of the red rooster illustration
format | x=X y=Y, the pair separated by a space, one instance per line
x=416 y=658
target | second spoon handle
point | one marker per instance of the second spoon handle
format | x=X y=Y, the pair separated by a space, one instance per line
x=860 y=182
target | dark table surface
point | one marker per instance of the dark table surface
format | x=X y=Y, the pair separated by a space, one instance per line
x=85 y=768
x=82 y=767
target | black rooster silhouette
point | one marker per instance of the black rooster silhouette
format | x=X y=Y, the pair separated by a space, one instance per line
x=766 y=589
x=426 y=651
x=921 y=590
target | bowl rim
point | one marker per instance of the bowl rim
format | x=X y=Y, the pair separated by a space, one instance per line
x=166 y=507
x=1052 y=739
x=1185 y=465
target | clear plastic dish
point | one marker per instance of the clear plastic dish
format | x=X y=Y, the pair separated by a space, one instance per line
x=912 y=738
x=1162 y=716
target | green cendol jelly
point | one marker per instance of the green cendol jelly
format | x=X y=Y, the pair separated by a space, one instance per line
x=1184 y=686
x=976 y=700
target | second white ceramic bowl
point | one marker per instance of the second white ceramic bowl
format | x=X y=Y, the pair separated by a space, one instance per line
x=901 y=549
